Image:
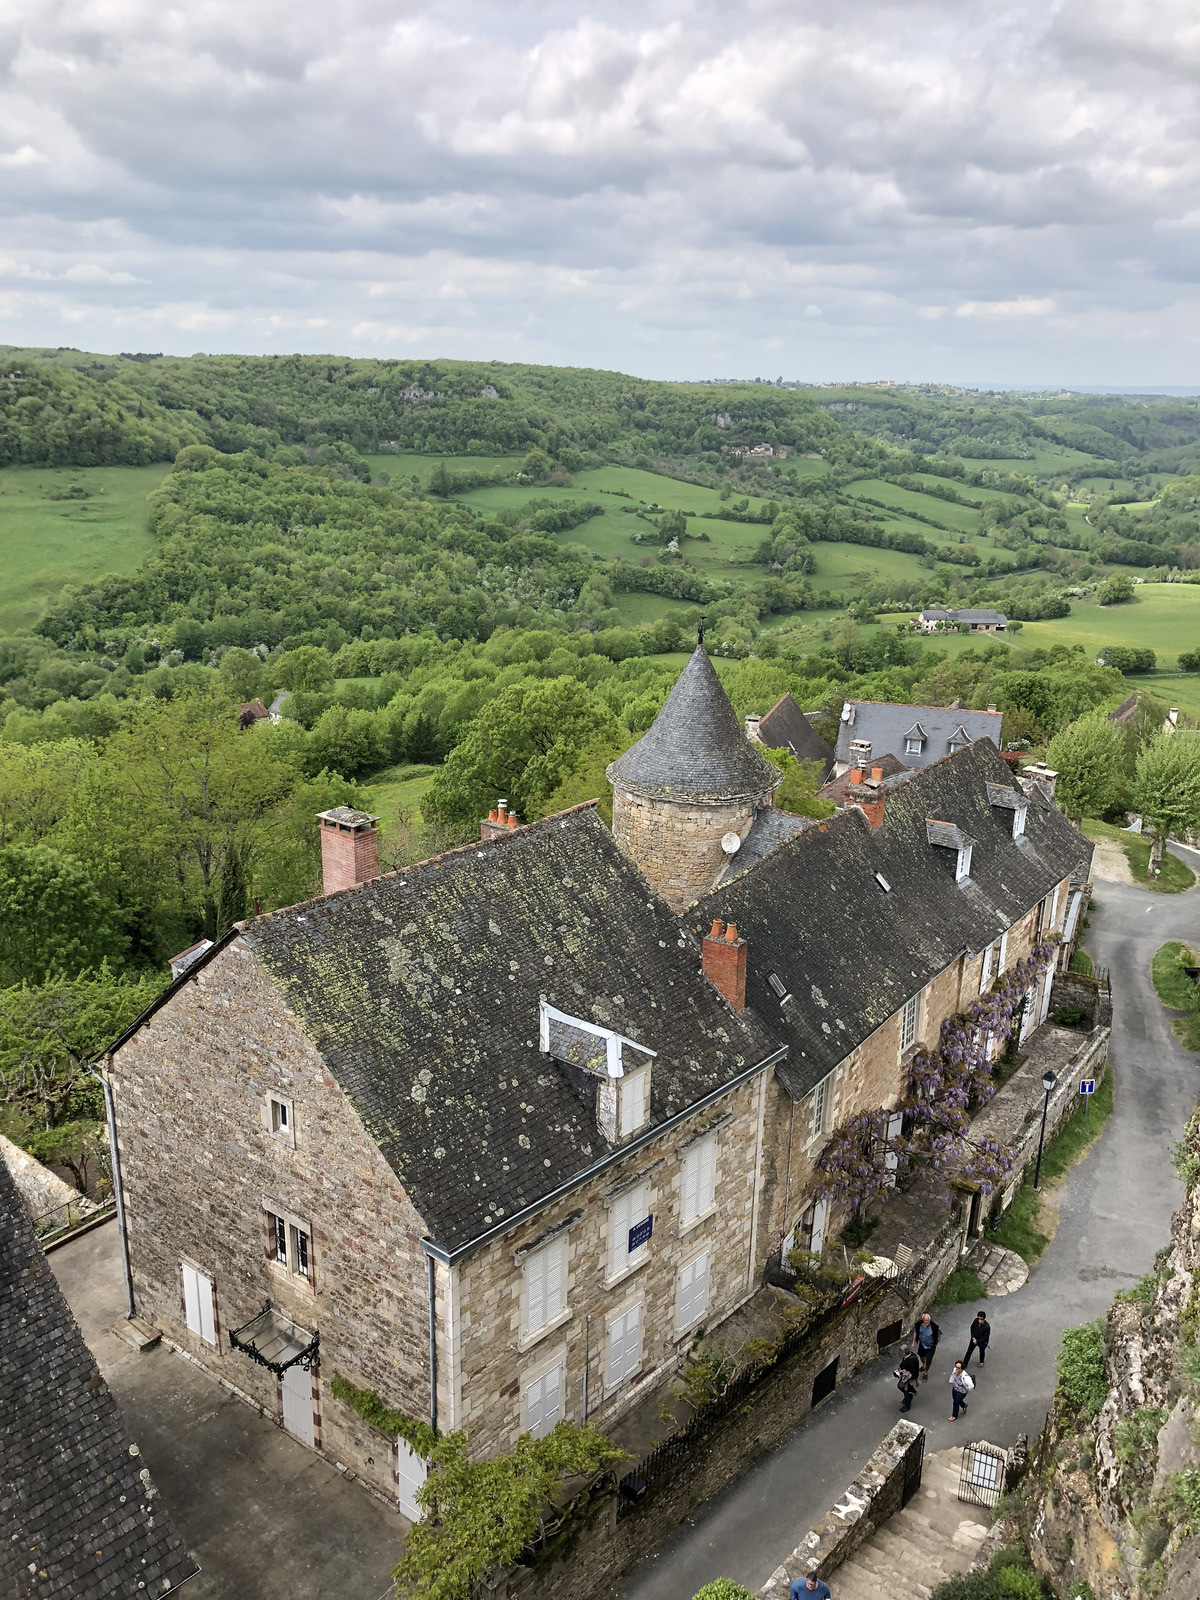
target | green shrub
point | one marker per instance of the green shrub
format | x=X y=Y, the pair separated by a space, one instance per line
x=1018 y=1582
x=1067 y=1016
x=1082 y=1369
x=723 y=1589
x=961 y=1288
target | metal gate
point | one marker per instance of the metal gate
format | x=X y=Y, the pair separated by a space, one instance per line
x=981 y=1480
x=914 y=1465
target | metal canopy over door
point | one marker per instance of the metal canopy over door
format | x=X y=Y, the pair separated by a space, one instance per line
x=410 y=1471
x=298 y=1403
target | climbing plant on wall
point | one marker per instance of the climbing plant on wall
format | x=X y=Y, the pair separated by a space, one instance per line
x=944 y=1086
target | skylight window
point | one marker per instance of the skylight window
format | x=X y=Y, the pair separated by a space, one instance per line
x=883 y=883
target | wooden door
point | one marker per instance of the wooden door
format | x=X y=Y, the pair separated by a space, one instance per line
x=298 y=1404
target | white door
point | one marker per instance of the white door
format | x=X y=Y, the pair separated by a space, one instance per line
x=411 y=1470
x=624 y=1346
x=298 y=1404
x=820 y=1212
x=1029 y=1016
x=198 y=1304
x=543 y=1402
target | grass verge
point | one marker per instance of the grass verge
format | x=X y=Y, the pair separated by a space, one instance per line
x=1082 y=962
x=961 y=1287
x=1028 y=1225
x=1177 y=991
x=1174 y=877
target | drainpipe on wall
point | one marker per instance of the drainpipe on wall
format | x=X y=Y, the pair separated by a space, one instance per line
x=110 y=1112
x=433 y=1405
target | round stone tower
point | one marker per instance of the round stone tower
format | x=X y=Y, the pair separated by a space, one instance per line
x=690 y=780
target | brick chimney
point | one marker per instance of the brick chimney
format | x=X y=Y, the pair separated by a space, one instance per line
x=349 y=848
x=723 y=959
x=867 y=794
x=498 y=823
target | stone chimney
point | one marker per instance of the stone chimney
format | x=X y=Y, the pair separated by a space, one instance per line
x=349 y=848
x=723 y=960
x=752 y=722
x=867 y=793
x=1038 y=776
x=498 y=823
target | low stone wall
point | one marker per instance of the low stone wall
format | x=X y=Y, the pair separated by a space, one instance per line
x=41 y=1190
x=1074 y=989
x=604 y=1534
x=863 y=1508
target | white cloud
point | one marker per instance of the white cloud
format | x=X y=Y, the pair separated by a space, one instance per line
x=939 y=189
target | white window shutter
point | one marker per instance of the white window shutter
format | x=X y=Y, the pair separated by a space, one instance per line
x=891 y=1160
x=985 y=971
x=691 y=1184
x=692 y=1297
x=198 y=1304
x=1003 y=954
x=820 y=1212
x=556 y=1277
x=624 y=1345
x=708 y=1173
x=545 y=1284
x=633 y=1102
x=543 y=1401
x=535 y=1292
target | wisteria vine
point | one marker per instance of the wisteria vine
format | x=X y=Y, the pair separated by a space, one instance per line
x=943 y=1087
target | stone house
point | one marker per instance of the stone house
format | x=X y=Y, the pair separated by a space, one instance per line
x=497 y=1134
x=977 y=621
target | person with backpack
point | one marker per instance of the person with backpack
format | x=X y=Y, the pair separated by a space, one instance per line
x=907 y=1373
x=926 y=1335
x=961 y=1384
x=981 y=1334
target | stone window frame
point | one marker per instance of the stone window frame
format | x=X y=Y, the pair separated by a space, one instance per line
x=528 y=1337
x=635 y=1302
x=533 y=1374
x=694 y=1150
x=276 y=1099
x=642 y=1256
x=685 y=1330
x=289 y=1271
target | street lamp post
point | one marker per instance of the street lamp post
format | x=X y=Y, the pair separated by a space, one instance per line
x=1048 y=1082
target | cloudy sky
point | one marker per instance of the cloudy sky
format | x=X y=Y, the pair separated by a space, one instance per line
x=916 y=189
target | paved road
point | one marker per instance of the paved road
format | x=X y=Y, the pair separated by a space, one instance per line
x=1114 y=1213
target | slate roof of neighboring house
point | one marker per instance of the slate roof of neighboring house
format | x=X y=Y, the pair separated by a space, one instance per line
x=849 y=951
x=696 y=747
x=835 y=788
x=421 y=991
x=785 y=727
x=82 y=1519
x=885 y=725
x=983 y=616
x=1126 y=709
x=768 y=830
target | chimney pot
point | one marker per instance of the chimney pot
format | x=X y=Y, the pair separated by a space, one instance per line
x=723 y=962
x=855 y=774
x=493 y=815
x=501 y=810
x=877 y=774
x=715 y=930
x=731 y=933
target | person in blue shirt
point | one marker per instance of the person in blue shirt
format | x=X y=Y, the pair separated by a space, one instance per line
x=926 y=1335
x=809 y=1588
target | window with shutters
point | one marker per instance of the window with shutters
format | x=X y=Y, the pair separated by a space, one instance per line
x=985 y=969
x=634 y=1090
x=908 y=1023
x=545 y=1286
x=822 y=1105
x=624 y=1346
x=542 y=1401
x=289 y=1246
x=811 y=1230
x=691 y=1294
x=1002 y=958
x=699 y=1179
x=629 y=1229
x=198 y=1308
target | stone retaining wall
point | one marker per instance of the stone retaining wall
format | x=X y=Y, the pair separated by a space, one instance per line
x=859 y=1512
x=41 y=1190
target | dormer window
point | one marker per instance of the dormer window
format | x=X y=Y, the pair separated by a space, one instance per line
x=959 y=739
x=951 y=837
x=1014 y=800
x=618 y=1067
x=914 y=740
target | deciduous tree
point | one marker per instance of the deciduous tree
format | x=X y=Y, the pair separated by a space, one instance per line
x=1166 y=790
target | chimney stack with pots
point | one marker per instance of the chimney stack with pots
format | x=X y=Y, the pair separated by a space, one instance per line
x=498 y=823
x=349 y=848
x=723 y=960
x=1038 y=776
x=868 y=794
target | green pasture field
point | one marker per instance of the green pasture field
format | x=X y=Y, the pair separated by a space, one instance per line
x=961 y=518
x=400 y=466
x=46 y=544
x=969 y=491
x=397 y=792
x=637 y=609
x=1165 y=616
x=1056 y=458
x=847 y=566
x=1180 y=689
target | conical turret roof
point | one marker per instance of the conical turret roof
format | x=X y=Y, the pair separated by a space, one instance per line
x=696 y=748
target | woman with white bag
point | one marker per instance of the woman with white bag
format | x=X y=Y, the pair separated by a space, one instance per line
x=961 y=1384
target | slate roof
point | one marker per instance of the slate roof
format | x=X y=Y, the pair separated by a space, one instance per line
x=785 y=727
x=421 y=991
x=981 y=617
x=849 y=951
x=696 y=748
x=835 y=788
x=768 y=830
x=82 y=1519
x=885 y=726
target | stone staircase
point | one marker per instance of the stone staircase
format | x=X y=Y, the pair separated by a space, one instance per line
x=934 y=1537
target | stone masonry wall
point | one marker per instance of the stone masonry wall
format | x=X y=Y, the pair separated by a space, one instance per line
x=496 y=1362
x=677 y=844
x=199 y=1163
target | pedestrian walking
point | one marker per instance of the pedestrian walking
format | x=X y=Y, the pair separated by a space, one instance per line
x=926 y=1335
x=961 y=1384
x=808 y=1587
x=907 y=1373
x=981 y=1334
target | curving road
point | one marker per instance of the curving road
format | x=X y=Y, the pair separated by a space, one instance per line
x=1114 y=1213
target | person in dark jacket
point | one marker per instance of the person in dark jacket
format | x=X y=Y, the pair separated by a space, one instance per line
x=981 y=1334
x=908 y=1372
x=926 y=1335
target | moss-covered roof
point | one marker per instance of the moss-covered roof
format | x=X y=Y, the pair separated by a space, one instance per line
x=851 y=951
x=421 y=991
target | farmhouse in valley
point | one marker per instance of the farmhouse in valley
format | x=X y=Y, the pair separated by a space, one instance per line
x=916 y=735
x=496 y=1134
x=983 y=620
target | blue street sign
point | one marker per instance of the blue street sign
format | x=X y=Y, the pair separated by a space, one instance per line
x=640 y=1233
x=1087 y=1086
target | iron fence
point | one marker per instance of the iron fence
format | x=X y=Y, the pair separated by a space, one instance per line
x=64 y=1219
x=642 y=1481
